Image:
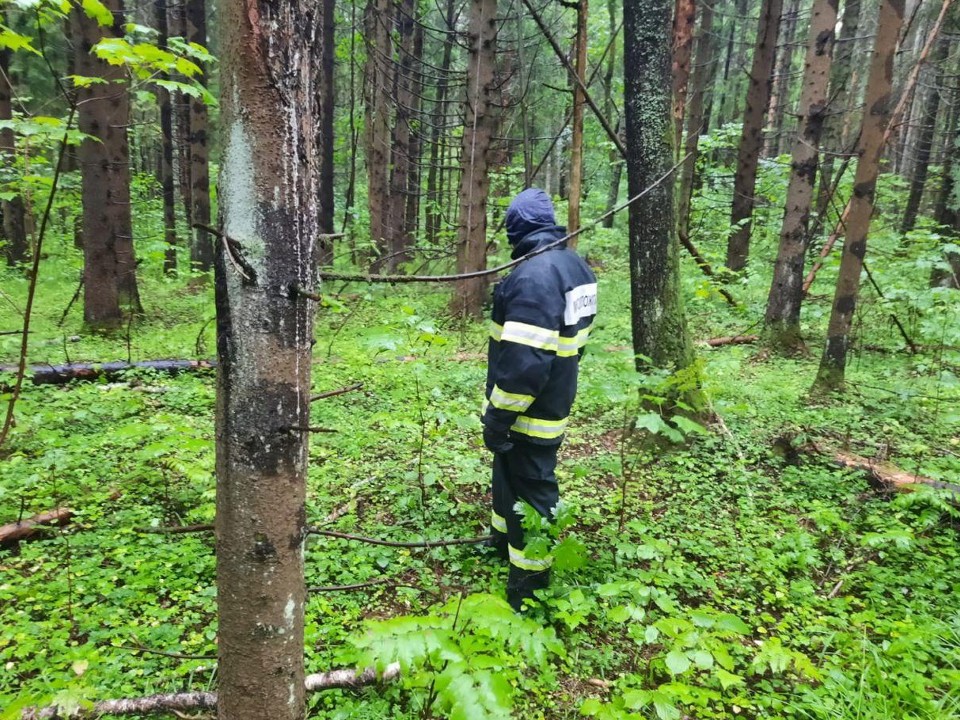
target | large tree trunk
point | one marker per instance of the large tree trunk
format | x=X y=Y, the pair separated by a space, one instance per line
x=840 y=95
x=201 y=251
x=166 y=152
x=15 y=245
x=695 y=116
x=109 y=269
x=878 y=97
x=658 y=322
x=378 y=86
x=751 y=140
x=576 y=140
x=268 y=214
x=478 y=130
x=786 y=292
x=936 y=70
x=411 y=215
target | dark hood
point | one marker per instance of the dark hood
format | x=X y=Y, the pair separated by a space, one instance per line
x=541 y=236
x=529 y=211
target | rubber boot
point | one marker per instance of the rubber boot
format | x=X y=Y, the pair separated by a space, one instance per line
x=521 y=585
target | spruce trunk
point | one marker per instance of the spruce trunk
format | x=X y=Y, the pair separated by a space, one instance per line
x=876 y=117
x=751 y=139
x=479 y=125
x=782 y=318
x=201 y=251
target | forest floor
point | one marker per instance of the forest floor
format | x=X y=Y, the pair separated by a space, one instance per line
x=746 y=575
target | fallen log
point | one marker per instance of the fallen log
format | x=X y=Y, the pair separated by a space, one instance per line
x=62 y=374
x=732 y=340
x=889 y=475
x=22 y=529
x=172 y=703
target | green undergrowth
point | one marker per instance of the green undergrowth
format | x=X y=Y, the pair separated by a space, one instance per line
x=715 y=569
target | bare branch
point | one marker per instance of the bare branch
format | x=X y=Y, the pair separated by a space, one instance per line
x=392 y=543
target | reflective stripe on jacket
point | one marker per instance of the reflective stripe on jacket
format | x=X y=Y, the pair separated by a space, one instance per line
x=542 y=314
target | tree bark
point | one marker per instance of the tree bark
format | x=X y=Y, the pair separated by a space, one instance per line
x=948 y=273
x=876 y=117
x=751 y=140
x=104 y=113
x=201 y=250
x=325 y=138
x=684 y=21
x=782 y=317
x=378 y=83
x=267 y=198
x=841 y=81
x=780 y=86
x=166 y=152
x=657 y=318
x=398 y=239
x=924 y=143
x=614 y=157
x=16 y=247
x=576 y=140
x=438 y=119
x=695 y=117
x=478 y=130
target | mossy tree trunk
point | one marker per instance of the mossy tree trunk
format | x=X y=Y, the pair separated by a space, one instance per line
x=268 y=214
x=478 y=130
x=751 y=139
x=658 y=321
x=782 y=317
x=870 y=149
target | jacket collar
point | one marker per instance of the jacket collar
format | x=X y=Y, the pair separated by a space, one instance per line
x=542 y=236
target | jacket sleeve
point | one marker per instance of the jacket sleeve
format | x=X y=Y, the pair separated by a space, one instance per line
x=528 y=339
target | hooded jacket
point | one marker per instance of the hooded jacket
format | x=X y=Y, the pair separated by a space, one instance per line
x=542 y=313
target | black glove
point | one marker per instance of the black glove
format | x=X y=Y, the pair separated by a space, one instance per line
x=497 y=440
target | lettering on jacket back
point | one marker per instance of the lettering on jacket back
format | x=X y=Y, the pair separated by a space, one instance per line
x=580 y=302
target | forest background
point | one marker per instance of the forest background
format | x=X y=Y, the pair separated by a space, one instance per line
x=759 y=511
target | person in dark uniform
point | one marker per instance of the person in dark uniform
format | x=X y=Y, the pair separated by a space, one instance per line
x=542 y=313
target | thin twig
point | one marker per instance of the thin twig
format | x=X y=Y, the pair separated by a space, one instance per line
x=392 y=543
x=334 y=393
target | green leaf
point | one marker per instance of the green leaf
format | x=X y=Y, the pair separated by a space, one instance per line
x=677 y=662
x=728 y=679
x=687 y=425
x=731 y=623
x=96 y=10
x=14 y=41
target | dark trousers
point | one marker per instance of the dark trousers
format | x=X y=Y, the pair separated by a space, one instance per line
x=527 y=473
